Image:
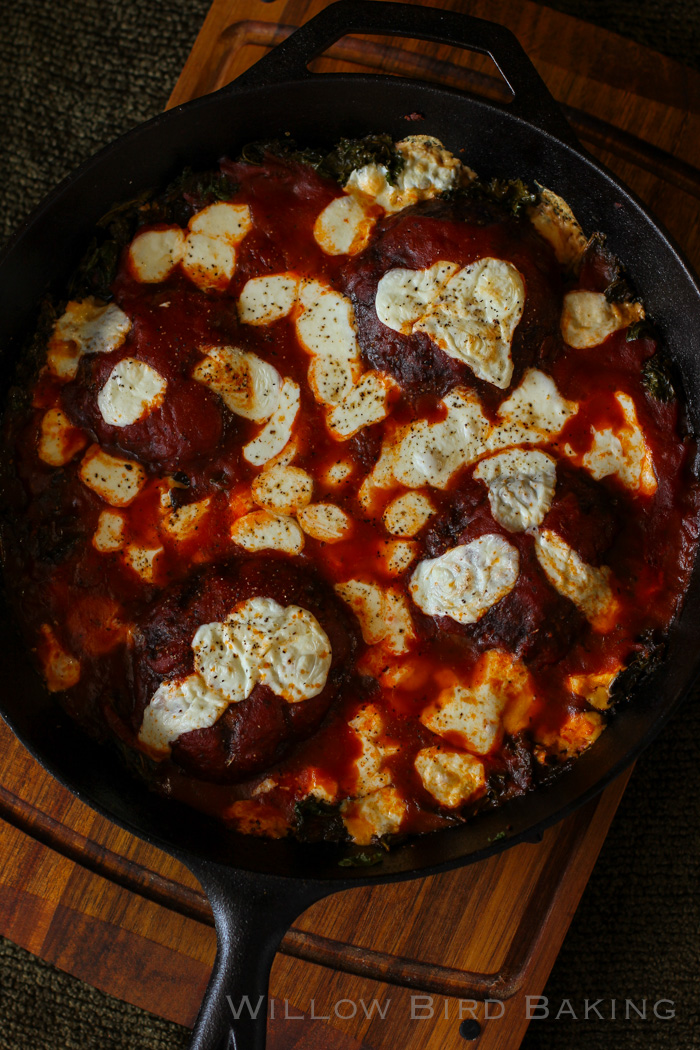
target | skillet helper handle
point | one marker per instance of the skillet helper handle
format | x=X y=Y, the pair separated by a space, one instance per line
x=252 y=913
x=532 y=101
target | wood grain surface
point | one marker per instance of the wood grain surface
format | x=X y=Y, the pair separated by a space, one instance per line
x=106 y=907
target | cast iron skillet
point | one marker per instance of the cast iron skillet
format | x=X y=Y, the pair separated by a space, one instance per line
x=256 y=888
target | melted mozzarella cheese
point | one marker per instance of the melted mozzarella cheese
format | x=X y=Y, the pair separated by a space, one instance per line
x=224 y=661
x=209 y=262
x=383 y=615
x=521 y=486
x=406 y=515
x=183 y=523
x=467 y=580
x=451 y=777
x=260 y=531
x=475 y=316
x=229 y=222
x=622 y=452
x=587 y=587
x=109 y=534
x=247 y=385
x=371 y=775
x=283 y=489
x=595 y=688
x=115 y=480
x=534 y=413
x=579 y=731
x=132 y=391
x=143 y=560
x=86 y=327
x=154 y=254
x=267 y=299
x=61 y=670
x=344 y=226
x=338 y=473
x=326 y=324
x=179 y=707
x=274 y=436
x=331 y=379
x=59 y=440
x=365 y=404
x=554 y=220
x=297 y=663
x=325 y=522
x=379 y=813
x=398 y=555
x=588 y=319
x=474 y=716
x=431 y=453
x=403 y=296
x=367 y=602
x=428 y=170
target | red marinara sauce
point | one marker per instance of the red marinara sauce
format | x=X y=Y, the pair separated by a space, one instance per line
x=368 y=547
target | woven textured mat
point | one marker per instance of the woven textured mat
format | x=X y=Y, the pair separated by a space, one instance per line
x=74 y=75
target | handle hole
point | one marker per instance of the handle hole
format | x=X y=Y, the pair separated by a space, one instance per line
x=431 y=62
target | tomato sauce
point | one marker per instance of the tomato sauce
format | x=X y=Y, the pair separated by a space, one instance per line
x=131 y=632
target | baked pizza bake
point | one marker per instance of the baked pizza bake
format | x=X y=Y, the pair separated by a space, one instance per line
x=346 y=492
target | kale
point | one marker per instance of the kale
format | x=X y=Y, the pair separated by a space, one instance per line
x=651 y=652
x=511 y=195
x=337 y=164
x=318 y=821
x=656 y=377
x=362 y=859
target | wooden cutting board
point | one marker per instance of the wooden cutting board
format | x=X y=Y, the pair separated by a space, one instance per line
x=102 y=905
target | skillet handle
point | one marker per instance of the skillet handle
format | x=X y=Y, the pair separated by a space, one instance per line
x=252 y=912
x=532 y=101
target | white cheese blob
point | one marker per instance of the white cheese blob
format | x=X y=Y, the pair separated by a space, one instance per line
x=143 y=560
x=229 y=222
x=406 y=515
x=521 y=485
x=588 y=319
x=115 y=480
x=224 y=661
x=283 y=489
x=183 y=523
x=371 y=775
x=554 y=220
x=364 y=405
x=399 y=555
x=403 y=296
x=467 y=580
x=383 y=614
x=379 y=813
x=178 y=707
x=451 y=777
x=325 y=522
x=248 y=386
x=61 y=670
x=209 y=262
x=326 y=324
x=86 y=327
x=132 y=391
x=297 y=663
x=59 y=440
x=109 y=534
x=338 y=473
x=267 y=299
x=154 y=254
x=428 y=170
x=475 y=316
x=475 y=715
x=533 y=414
x=431 y=453
x=587 y=587
x=622 y=452
x=274 y=436
x=331 y=379
x=260 y=531
x=344 y=226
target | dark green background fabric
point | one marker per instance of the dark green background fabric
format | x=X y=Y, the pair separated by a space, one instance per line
x=72 y=77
